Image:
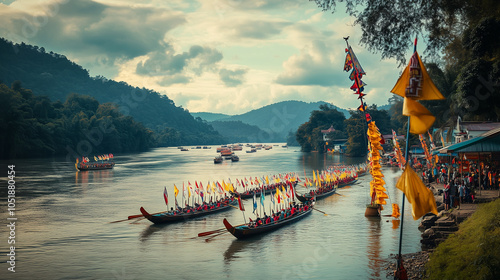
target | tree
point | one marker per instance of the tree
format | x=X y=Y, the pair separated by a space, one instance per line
x=389 y=26
x=309 y=134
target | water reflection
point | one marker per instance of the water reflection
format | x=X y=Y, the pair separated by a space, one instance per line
x=237 y=246
x=373 y=251
x=395 y=223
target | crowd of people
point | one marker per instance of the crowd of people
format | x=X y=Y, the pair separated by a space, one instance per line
x=460 y=187
x=205 y=206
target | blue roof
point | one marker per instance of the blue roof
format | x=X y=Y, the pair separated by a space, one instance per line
x=486 y=142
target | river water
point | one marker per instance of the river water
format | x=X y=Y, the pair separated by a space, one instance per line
x=63 y=228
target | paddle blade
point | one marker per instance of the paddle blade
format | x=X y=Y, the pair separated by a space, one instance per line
x=209 y=232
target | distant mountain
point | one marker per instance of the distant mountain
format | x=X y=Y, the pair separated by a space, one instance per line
x=238 y=132
x=278 y=119
x=53 y=75
x=209 y=117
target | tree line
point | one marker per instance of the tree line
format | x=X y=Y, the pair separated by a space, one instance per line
x=310 y=137
x=34 y=126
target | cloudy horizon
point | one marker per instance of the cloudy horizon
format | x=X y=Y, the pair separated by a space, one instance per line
x=218 y=56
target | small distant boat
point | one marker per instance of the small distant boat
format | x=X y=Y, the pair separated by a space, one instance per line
x=253 y=150
x=205 y=147
x=235 y=158
x=227 y=153
x=218 y=159
x=94 y=166
x=236 y=148
x=184 y=149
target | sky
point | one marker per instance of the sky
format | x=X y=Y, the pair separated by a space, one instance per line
x=219 y=56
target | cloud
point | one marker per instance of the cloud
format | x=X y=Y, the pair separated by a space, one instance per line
x=167 y=63
x=175 y=79
x=315 y=65
x=257 y=29
x=85 y=29
x=232 y=78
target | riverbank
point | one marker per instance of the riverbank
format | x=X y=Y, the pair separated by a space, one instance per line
x=414 y=263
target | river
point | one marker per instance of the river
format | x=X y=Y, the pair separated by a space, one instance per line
x=63 y=228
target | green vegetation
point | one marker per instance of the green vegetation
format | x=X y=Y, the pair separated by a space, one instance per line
x=310 y=138
x=309 y=134
x=463 y=31
x=473 y=252
x=54 y=76
x=33 y=126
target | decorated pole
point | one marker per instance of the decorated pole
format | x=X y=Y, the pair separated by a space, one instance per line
x=377 y=190
x=414 y=84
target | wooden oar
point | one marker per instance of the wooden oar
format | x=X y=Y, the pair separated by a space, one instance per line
x=211 y=237
x=214 y=231
x=133 y=217
x=320 y=211
x=211 y=232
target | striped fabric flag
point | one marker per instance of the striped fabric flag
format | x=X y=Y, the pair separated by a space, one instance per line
x=165 y=196
x=240 y=204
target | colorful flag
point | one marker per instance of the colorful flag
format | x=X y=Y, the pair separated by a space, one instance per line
x=421 y=119
x=240 y=204
x=165 y=196
x=176 y=191
x=262 y=197
x=254 y=203
x=395 y=211
x=419 y=196
x=415 y=84
x=416 y=81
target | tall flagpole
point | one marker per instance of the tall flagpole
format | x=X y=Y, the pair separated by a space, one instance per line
x=400 y=258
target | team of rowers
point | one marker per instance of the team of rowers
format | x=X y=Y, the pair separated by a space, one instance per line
x=329 y=186
x=264 y=189
x=205 y=206
x=293 y=210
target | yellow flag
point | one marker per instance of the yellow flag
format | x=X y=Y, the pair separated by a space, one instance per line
x=420 y=197
x=415 y=76
x=267 y=180
x=176 y=191
x=416 y=84
x=395 y=211
x=421 y=119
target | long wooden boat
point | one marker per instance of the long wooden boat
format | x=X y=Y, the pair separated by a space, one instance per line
x=353 y=181
x=168 y=217
x=246 y=231
x=307 y=196
x=249 y=194
x=94 y=166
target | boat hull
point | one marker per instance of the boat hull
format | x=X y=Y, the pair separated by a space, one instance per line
x=242 y=233
x=100 y=166
x=164 y=218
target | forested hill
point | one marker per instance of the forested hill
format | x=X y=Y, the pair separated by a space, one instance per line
x=53 y=75
x=32 y=126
